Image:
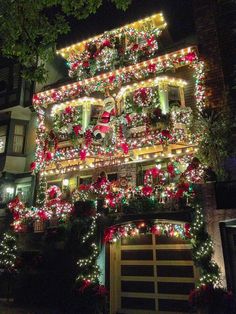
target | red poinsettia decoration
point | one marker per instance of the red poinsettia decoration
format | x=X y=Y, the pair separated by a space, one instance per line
x=106 y=43
x=147 y=190
x=125 y=148
x=83 y=154
x=77 y=129
x=48 y=156
x=135 y=47
x=171 y=170
x=85 y=64
x=166 y=134
x=152 y=67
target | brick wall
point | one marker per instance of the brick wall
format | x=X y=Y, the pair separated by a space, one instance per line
x=209 y=49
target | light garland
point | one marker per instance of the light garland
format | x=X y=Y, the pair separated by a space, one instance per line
x=115 y=233
x=8 y=250
x=125 y=75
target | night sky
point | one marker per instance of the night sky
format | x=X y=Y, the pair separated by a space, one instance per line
x=178 y=15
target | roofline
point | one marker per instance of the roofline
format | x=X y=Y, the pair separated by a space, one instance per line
x=157 y=19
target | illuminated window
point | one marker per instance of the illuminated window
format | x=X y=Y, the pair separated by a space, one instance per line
x=174 y=96
x=18 y=139
x=3 y=137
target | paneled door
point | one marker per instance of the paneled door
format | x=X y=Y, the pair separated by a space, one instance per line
x=151 y=274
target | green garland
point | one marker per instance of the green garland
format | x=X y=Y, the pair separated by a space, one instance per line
x=202 y=248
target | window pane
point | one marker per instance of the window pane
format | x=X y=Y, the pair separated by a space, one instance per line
x=18 y=139
x=85 y=180
x=3 y=130
x=3 y=133
x=173 y=93
x=19 y=129
x=18 y=142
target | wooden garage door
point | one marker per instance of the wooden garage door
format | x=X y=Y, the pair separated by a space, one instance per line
x=151 y=274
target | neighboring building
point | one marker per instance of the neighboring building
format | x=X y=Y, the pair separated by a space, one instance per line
x=17 y=136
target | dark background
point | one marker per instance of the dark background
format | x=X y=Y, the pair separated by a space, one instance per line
x=177 y=13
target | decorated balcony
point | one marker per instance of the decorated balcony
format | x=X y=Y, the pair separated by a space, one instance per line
x=129 y=113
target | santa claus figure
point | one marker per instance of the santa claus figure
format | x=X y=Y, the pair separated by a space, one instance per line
x=103 y=126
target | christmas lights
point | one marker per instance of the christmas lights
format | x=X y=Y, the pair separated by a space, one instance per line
x=8 y=250
x=114 y=234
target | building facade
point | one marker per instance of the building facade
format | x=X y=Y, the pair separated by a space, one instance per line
x=115 y=147
x=17 y=136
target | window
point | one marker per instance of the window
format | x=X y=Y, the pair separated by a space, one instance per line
x=95 y=112
x=19 y=138
x=85 y=180
x=3 y=137
x=24 y=192
x=174 y=96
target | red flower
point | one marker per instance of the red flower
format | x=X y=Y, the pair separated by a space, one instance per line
x=106 y=43
x=150 y=41
x=152 y=67
x=135 y=47
x=75 y=65
x=36 y=98
x=54 y=95
x=77 y=129
x=48 y=156
x=88 y=137
x=101 y=290
x=85 y=64
x=125 y=148
x=86 y=283
x=147 y=190
x=52 y=193
x=68 y=110
x=157 y=112
x=42 y=215
x=190 y=56
x=155 y=172
x=166 y=133
x=111 y=78
x=108 y=235
x=82 y=154
x=171 y=170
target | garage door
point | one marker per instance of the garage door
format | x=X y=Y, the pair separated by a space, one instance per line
x=150 y=274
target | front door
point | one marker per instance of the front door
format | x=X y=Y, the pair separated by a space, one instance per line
x=150 y=274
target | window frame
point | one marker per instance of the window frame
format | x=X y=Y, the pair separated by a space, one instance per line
x=6 y=140
x=15 y=122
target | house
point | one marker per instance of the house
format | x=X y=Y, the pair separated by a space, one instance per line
x=17 y=122
x=125 y=122
x=119 y=133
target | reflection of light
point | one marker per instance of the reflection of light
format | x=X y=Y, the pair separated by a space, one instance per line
x=65 y=182
x=10 y=190
x=1 y=144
